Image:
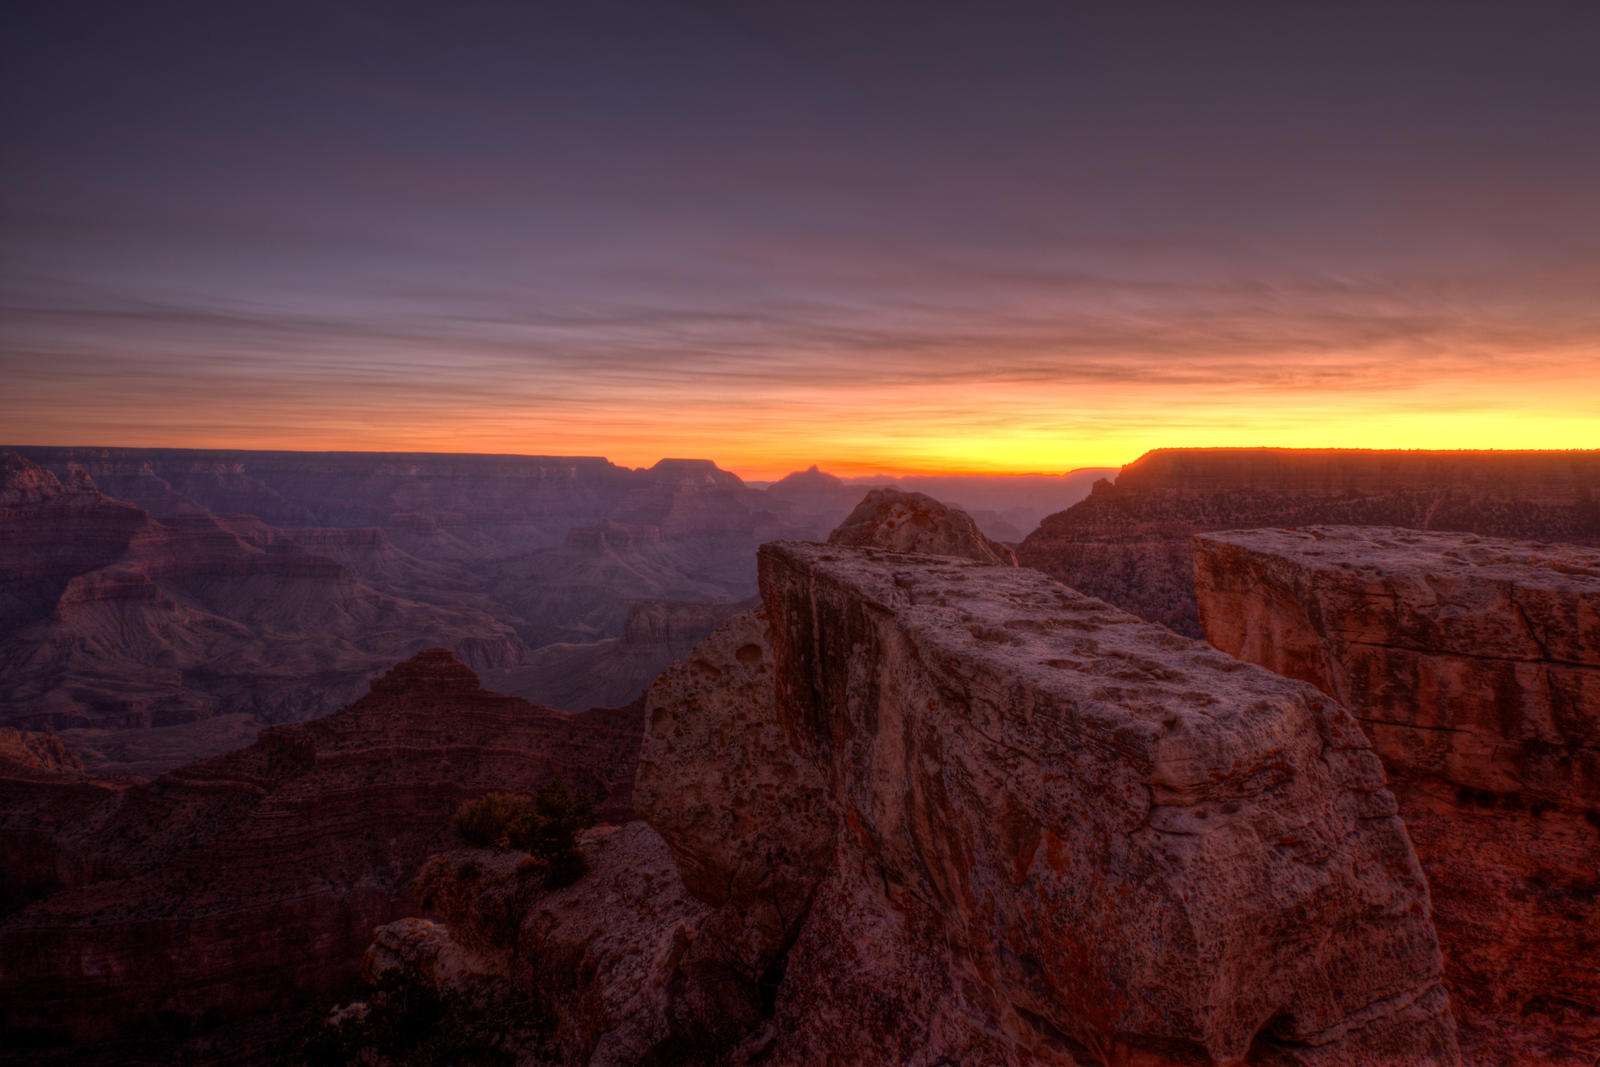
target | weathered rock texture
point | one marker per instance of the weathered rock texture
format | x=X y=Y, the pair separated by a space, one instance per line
x=1474 y=666
x=228 y=888
x=914 y=522
x=1128 y=542
x=928 y=811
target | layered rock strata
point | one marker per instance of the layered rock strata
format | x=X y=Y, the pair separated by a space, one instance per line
x=112 y=620
x=925 y=811
x=1128 y=542
x=243 y=884
x=1474 y=666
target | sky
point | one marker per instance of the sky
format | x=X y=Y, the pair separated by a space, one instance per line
x=976 y=237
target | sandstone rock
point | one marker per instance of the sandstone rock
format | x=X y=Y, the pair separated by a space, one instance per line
x=610 y=959
x=912 y=522
x=1129 y=541
x=1474 y=666
x=745 y=815
x=1053 y=833
x=24 y=754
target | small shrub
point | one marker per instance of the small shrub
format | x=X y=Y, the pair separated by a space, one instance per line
x=546 y=826
x=470 y=871
x=484 y=821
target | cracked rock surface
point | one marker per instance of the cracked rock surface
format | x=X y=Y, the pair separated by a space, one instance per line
x=1473 y=664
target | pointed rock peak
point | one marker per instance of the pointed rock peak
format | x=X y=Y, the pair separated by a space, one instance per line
x=898 y=521
x=813 y=476
x=694 y=471
x=432 y=669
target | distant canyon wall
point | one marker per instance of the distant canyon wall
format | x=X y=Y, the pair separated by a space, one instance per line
x=1128 y=542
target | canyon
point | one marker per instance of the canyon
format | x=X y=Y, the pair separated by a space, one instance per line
x=913 y=804
x=162 y=605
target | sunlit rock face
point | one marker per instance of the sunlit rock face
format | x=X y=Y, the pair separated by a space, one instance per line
x=1128 y=542
x=1474 y=667
x=915 y=522
x=233 y=888
x=947 y=812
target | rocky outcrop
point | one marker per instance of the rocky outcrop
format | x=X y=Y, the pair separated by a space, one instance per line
x=1128 y=542
x=28 y=755
x=930 y=811
x=1474 y=666
x=912 y=522
x=243 y=884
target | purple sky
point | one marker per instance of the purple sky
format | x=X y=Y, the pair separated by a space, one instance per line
x=880 y=236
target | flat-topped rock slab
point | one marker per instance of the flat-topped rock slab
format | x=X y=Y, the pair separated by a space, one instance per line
x=1127 y=837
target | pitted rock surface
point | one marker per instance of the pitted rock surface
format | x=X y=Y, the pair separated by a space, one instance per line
x=1053 y=833
x=1474 y=666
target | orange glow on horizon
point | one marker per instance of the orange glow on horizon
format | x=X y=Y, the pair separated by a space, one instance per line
x=969 y=429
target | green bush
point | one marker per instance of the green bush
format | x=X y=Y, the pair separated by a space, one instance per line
x=545 y=826
x=483 y=821
x=548 y=831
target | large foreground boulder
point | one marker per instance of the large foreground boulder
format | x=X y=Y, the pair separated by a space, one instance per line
x=1001 y=822
x=920 y=810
